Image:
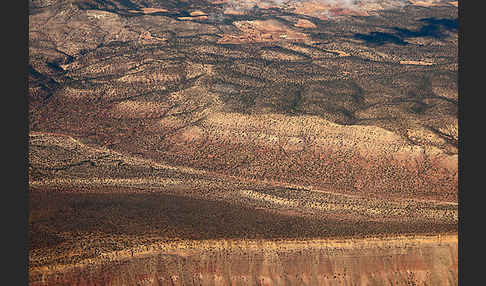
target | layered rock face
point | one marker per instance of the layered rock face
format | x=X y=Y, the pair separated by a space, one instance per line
x=398 y=261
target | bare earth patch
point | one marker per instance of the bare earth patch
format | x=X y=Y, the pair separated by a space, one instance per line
x=262 y=31
x=148 y=10
x=422 y=63
x=303 y=23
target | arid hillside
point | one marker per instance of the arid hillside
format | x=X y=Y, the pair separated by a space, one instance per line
x=397 y=261
x=156 y=123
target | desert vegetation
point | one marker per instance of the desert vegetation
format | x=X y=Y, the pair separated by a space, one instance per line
x=199 y=122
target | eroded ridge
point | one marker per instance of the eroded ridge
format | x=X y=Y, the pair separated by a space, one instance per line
x=420 y=260
x=83 y=207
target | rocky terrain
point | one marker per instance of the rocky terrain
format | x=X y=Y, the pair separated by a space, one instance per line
x=397 y=261
x=158 y=123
